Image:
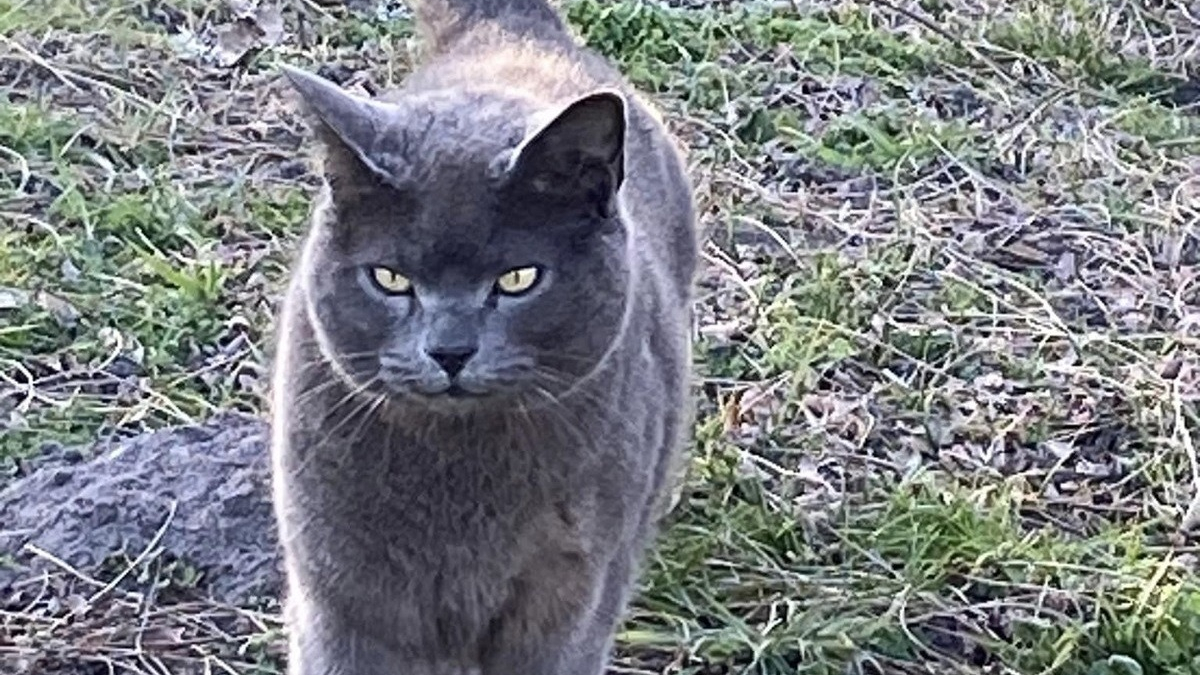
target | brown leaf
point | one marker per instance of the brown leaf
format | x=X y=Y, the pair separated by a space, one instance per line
x=731 y=412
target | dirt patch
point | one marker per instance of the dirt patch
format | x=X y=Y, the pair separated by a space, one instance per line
x=197 y=493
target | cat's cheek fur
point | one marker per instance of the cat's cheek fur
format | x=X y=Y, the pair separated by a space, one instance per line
x=557 y=324
x=352 y=323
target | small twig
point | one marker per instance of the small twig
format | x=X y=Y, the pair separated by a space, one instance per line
x=952 y=39
x=1183 y=436
x=61 y=564
x=141 y=557
x=71 y=78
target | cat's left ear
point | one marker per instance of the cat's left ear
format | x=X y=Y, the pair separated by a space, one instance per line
x=578 y=157
x=352 y=129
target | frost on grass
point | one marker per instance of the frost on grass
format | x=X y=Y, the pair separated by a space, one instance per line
x=947 y=327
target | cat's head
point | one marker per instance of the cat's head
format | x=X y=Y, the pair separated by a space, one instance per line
x=470 y=251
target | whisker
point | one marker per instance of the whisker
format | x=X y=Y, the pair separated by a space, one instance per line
x=572 y=427
x=593 y=398
x=334 y=379
x=352 y=442
x=368 y=403
x=568 y=384
x=308 y=394
x=576 y=357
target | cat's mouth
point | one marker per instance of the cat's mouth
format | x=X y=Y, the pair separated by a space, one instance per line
x=453 y=392
x=443 y=390
x=458 y=391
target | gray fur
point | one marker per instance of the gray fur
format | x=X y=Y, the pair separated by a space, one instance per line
x=492 y=522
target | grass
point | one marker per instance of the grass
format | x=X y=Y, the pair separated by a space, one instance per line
x=947 y=366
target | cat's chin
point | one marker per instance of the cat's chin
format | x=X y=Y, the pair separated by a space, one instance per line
x=458 y=401
x=452 y=402
x=453 y=397
x=456 y=392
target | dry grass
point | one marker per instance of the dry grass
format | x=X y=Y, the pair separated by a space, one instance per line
x=949 y=319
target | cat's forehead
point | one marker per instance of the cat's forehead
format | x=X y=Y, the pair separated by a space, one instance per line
x=450 y=213
x=455 y=219
x=452 y=151
x=467 y=250
x=449 y=132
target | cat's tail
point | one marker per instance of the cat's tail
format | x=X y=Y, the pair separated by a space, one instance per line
x=442 y=22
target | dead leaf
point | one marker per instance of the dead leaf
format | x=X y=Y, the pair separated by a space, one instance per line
x=243 y=9
x=1066 y=268
x=69 y=271
x=188 y=45
x=723 y=332
x=13 y=298
x=759 y=401
x=163 y=636
x=76 y=604
x=1061 y=450
x=1171 y=368
x=270 y=22
x=63 y=311
x=254 y=25
x=731 y=413
x=124 y=345
x=234 y=42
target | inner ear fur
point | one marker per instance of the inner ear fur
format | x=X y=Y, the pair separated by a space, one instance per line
x=578 y=156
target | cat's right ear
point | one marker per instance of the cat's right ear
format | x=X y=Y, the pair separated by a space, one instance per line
x=578 y=156
x=350 y=127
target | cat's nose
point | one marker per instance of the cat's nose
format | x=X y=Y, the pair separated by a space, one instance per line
x=452 y=359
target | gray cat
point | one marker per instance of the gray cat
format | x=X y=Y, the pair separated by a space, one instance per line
x=481 y=391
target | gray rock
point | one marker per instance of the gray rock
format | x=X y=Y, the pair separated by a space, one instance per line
x=215 y=477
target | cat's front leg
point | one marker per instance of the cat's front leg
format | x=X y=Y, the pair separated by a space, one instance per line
x=320 y=646
x=577 y=642
x=583 y=650
x=594 y=640
x=323 y=645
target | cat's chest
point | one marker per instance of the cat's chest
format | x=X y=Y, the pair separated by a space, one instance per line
x=457 y=512
x=478 y=485
x=462 y=479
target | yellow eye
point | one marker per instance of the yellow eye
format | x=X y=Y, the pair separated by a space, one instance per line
x=515 y=282
x=391 y=282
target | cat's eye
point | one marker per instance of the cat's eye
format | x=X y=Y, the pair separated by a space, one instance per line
x=517 y=281
x=391 y=281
